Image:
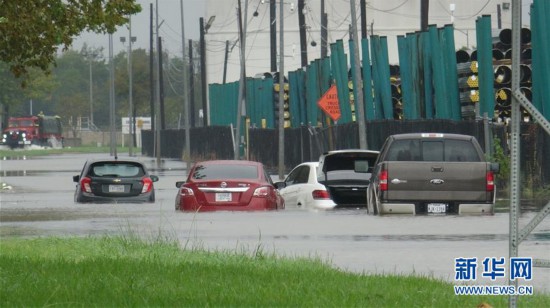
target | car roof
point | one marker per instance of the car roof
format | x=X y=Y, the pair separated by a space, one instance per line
x=431 y=135
x=350 y=151
x=310 y=163
x=113 y=159
x=230 y=162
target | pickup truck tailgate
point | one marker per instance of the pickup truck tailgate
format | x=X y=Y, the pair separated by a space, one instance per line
x=437 y=181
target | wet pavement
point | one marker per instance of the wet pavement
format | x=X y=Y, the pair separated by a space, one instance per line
x=39 y=202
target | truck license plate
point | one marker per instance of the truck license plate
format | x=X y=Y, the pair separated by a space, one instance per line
x=116 y=188
x=223 y=197
x=437 y=208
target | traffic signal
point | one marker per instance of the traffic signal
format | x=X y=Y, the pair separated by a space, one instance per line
x=468 y=87
x=351 y=98
x=286 y=103
x=396 y=99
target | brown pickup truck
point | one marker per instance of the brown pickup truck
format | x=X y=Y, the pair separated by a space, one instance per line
x=432 y=173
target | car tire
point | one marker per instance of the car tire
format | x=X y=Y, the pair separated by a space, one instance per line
x=152 y=197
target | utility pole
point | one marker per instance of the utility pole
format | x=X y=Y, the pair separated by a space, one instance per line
x=157 y=127
x=359 y=106
x=112 y=97
x=241 y=103
x=281 y=93
x=302 y=26
x=363 y=5
x=130 y=87
x=225 y=61
x=424 y=11
x=273 y=34
x=324 y=31
x=187 y=150
x=499 y=17
x=162 y=114
x=191 y=84
x=203 y=71
x=151 y=70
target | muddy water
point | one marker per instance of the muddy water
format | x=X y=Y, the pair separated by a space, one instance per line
x=40 y=202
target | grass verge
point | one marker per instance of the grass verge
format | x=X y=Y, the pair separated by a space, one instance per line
x=119 y=271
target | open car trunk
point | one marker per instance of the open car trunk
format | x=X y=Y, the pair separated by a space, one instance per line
x=346 y=175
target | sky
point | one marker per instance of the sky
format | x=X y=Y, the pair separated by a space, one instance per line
x=170 y=27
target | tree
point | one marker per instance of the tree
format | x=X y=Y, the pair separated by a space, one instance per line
x=32 y=30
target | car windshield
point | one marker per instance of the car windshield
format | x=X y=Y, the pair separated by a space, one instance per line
x=126 y=169
x=221 y=171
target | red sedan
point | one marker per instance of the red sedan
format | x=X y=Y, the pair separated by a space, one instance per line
x=228 y=185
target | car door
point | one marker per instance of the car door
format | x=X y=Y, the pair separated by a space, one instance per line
x=302 y=185
x=290 y=192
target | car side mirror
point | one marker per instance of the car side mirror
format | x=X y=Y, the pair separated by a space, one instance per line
x=179 y=183
x=495 y=167
x=76 y=178
x=154 y=178
x=280 y=185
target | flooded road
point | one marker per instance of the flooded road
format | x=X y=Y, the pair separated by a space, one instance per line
x=37 y=200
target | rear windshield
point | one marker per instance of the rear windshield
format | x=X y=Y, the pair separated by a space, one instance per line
x=213 y=172
x=119 y=169
x=433 y=150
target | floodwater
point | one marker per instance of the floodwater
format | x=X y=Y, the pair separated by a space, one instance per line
x=37 y=200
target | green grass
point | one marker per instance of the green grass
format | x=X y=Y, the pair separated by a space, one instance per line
x=119 y=271
x=66 y=150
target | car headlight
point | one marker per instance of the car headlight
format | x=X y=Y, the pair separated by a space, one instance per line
x=24 y=135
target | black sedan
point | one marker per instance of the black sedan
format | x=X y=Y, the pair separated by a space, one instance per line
x=114 y=180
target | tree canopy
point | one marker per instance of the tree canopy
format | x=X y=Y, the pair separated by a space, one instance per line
x=31 y=31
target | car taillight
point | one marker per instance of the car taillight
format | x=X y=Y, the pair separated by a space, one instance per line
x=490 y=181
x=320 y=194
x=85 y=184
x=261 y=192
x=184 y=191
x=383 y=178
x=147 y=185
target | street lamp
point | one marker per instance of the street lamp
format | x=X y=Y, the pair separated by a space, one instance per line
x=92 y=54
x=131 y=126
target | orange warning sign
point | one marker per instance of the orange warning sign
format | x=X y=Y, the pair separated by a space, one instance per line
x=329 y=103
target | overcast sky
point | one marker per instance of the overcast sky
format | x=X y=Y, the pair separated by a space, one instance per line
x=170 y=29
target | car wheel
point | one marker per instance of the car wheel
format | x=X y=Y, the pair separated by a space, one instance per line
x=152 y=197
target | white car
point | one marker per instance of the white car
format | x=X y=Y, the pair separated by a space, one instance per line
x=301 y=189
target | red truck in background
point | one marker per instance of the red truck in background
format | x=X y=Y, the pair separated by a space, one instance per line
x=39 y=130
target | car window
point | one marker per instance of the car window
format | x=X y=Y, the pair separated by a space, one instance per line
x=432 y=150
x=302 y=176
x=116 y=169
x=460 y=150
x=225 y=171
x=268 y=178
x=337 y=175
x=291 y=178
x=404 y=150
